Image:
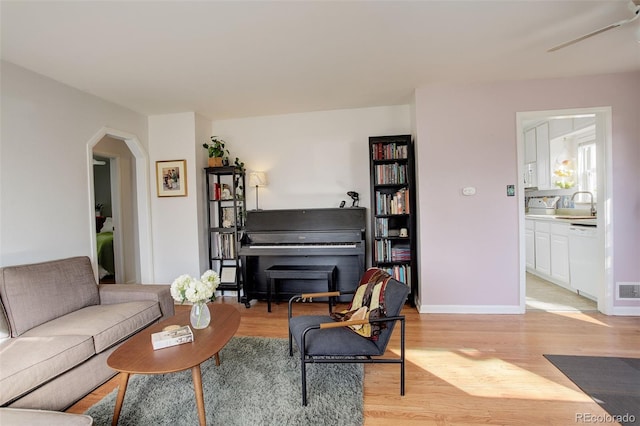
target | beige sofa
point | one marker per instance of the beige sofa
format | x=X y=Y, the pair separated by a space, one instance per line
x=57 y=328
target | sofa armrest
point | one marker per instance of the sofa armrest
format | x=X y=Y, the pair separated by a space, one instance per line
x=120 y=293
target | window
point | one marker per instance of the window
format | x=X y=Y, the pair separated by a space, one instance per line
x=587 y=177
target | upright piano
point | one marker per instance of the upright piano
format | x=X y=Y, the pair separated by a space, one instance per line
x=330 y=236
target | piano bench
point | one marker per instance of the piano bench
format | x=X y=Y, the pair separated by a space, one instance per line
x=300 y=272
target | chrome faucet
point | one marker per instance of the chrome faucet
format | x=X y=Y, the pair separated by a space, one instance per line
x=593 y=209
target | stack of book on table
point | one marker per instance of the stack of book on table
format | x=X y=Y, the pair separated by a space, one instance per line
x=167 y=338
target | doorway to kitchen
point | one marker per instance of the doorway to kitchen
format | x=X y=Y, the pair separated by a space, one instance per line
x=564 y=165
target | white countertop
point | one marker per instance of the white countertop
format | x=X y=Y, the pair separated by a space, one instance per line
x=574 y=220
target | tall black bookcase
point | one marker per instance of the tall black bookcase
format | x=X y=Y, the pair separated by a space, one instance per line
x=226 y=213
x=393 y=208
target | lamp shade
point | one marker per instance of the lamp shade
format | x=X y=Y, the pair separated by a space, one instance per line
x=257 y=179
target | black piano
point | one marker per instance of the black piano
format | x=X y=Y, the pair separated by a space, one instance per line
x=334 y=236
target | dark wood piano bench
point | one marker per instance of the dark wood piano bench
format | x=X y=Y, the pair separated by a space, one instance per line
x=300 y=272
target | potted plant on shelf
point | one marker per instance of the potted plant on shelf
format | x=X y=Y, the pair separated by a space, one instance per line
x=216 y=151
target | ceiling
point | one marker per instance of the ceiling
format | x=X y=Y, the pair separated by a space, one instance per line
x=241 y=58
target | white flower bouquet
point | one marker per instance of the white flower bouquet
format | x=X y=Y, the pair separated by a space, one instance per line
x=186 y=288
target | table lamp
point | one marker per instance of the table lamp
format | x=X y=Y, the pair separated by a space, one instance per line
x=257 y=179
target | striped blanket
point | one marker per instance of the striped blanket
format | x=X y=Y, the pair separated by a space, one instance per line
x=367 y=303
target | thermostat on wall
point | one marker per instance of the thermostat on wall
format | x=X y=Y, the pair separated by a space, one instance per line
x=469 y=190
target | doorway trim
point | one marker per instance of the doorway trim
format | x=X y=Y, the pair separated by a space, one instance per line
x=143 y=202
x=604 y=203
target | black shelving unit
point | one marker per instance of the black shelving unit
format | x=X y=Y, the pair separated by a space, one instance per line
x=226 y=213
x=393 y=208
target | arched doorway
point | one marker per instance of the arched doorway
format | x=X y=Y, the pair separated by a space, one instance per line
x=142 y=250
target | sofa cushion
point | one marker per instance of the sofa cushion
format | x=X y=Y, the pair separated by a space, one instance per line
x=28 y=362
x=119 y=293
x=108 y=324
x=37 y=293
x=23 y=416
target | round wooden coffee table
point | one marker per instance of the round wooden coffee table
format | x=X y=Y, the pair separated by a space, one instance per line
x=136 y=355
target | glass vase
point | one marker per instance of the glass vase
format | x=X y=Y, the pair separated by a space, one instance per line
x=200 y=316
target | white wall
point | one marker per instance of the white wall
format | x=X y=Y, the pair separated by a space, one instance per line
x=311 y=159
x=176 y=232
x=467 y=137
x=45 y=211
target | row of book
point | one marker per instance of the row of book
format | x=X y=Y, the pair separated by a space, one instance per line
x=382 y=227
x=389 y=151
x=387 y=251
x=401 y=273
x=223 y=245
x=393 y=203
x=391 y=174
x=400 y=254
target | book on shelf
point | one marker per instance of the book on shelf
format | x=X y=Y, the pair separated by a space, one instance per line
x=393 y=203
x=391 y=174
x=224 y=245
x=399 y=254
x=382 y=227
x=216 y=191
x=389 y=151
x=165 y=339
x=401 y=273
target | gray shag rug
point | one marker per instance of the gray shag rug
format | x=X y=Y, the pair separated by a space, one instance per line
x=257 y=383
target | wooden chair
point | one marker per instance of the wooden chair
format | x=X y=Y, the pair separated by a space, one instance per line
x=320 y=337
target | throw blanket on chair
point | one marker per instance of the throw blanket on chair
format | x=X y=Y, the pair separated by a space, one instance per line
x=367 y=303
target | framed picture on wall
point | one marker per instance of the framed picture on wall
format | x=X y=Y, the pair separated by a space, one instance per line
x=171 y=178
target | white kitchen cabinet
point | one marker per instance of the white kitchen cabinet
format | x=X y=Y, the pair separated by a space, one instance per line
x=547 y=250
x=530 y=244
x=542 y=157
x=543 y=248
x=585 y=263
x=530 y=145
x=530 y=173
x=530 y=167
x=559 y=245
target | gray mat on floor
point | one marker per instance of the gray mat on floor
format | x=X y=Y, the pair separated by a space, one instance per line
x=612 y=382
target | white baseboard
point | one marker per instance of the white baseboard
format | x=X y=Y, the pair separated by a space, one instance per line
x=471 y=309
x=506 y=310
x=626 y=311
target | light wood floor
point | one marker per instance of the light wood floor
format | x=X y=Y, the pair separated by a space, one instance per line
x=543 y=295
x=469 y=369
